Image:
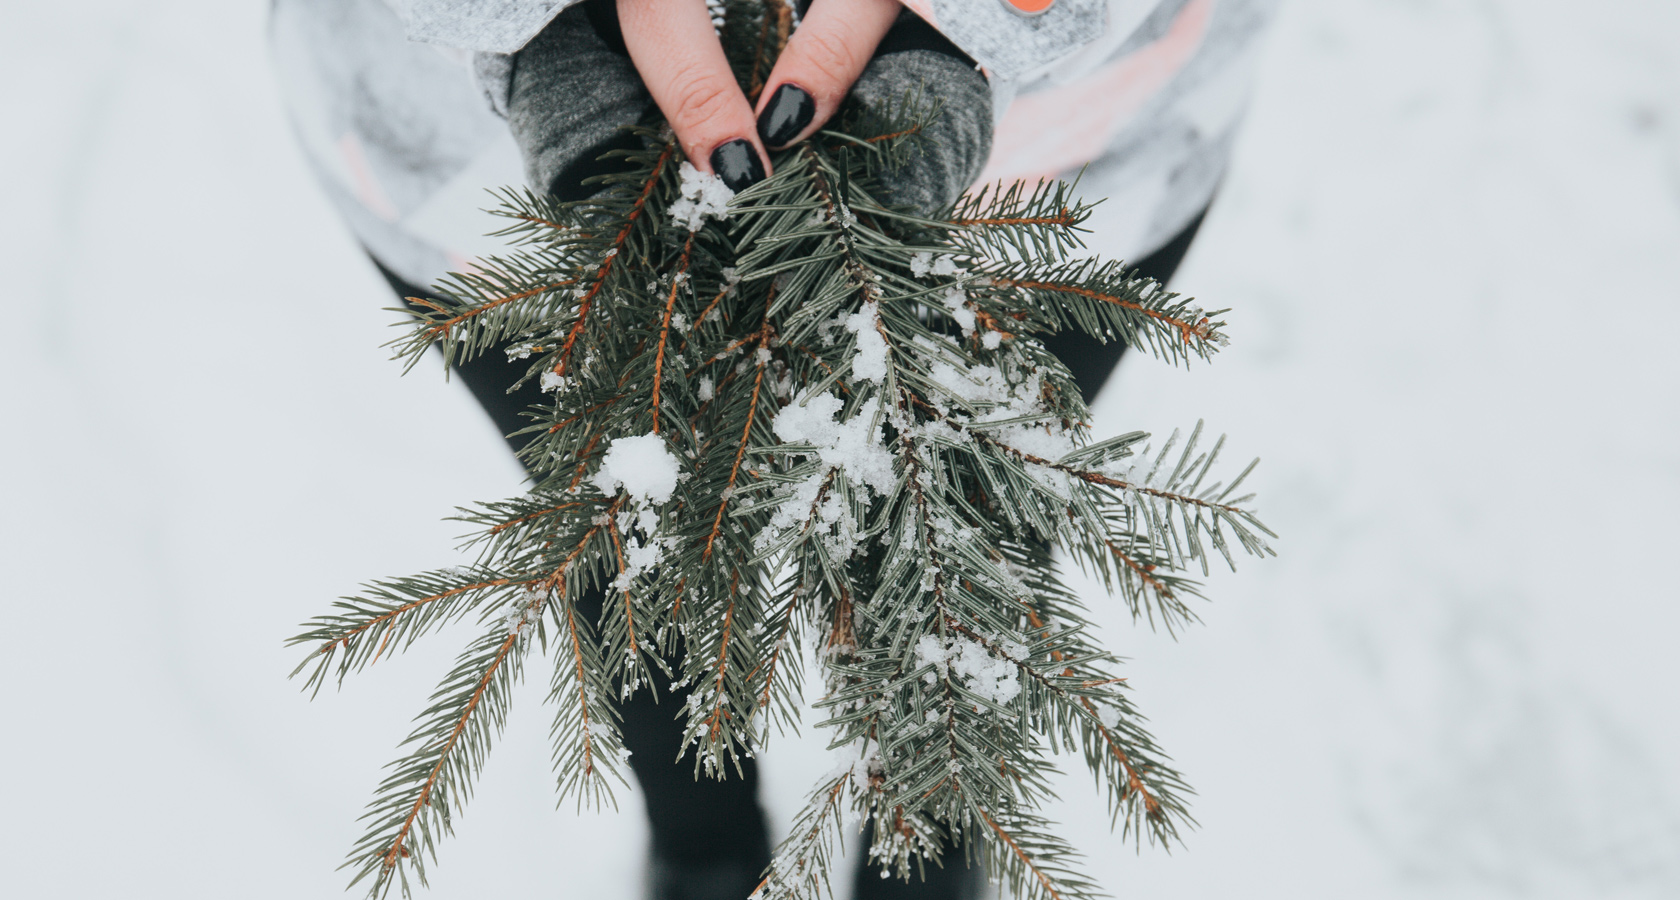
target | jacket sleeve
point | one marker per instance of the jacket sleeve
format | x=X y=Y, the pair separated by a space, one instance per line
x=1009 y=38
x=488 y=26
x=1012 y=38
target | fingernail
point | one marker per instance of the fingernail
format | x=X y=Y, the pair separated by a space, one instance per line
x=737 y=163
x=790 y=109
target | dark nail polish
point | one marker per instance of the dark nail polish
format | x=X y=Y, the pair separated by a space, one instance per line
x=737 y=163
x=790 y=109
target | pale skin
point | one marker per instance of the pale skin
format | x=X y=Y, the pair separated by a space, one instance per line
x=674 y=48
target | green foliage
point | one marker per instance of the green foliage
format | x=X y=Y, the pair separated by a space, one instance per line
x=878 y=458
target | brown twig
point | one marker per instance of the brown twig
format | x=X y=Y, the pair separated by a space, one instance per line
x=397 y=848
x=583 y=464
x=536 y=515
x=709 y=307
x=344 y=639
x=1043 y=879
x=618 y=244
x=1134 y=782
x=735 y=470
x=433 y=331
x=718 y=712
x=841 y=632
x=629 y=617
x=665 y=329
x=775 y=653
x=536 y=220
x=1199 y=329
x=897 y=134
x=1090 y=476
x=583 y=691
x=811 y=834
x=1141 y=570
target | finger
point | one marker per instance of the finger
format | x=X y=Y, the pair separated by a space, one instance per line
x=825 y=55
x=681 y=62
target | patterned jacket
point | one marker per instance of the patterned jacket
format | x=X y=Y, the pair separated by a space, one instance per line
x=1144 y=95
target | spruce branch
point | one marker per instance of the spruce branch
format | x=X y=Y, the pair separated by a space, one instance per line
x=811 y=420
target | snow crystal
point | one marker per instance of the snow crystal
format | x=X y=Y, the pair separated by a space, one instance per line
x=969 y=661
x=853 y=445
x=552 y=381
x=642 y=465
x=638 y=558
x=925 y=264
x=643 y=558
x=825 y=330
x=703 y=196
x=1108 y=715
x=991 y=339
x=956 y=300
x=783 y=384
x=704 y=391
x=977 y=384
x=869 y=363
x=526 y=611
x=1040 y=441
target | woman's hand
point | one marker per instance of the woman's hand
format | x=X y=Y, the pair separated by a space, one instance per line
x=600 y=65
x=677 y=53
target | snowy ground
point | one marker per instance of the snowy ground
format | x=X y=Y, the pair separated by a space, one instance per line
x=1452 y=247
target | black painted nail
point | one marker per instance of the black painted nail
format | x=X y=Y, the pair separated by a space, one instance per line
x=790 y=109
x=737 y=163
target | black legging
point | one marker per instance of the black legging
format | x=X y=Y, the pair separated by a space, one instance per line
x=715 y=829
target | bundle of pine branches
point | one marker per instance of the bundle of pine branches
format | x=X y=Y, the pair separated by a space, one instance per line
x=801 y=415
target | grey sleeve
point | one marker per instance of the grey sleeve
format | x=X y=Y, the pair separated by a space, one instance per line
x=958 y=141
x=569 y=95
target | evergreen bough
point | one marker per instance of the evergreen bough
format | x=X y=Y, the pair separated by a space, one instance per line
x=873 y=454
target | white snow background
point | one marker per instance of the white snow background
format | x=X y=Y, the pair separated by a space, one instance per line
x=1451 y=242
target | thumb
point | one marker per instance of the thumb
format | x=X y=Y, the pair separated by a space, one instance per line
x=680 y=60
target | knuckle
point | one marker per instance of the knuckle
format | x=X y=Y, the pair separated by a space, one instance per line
x=830 y=57
x=700 y=97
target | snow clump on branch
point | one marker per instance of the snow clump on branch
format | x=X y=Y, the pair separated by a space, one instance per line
x=925 y=264
x=971 y=663
x=853 y=445
x=869 y=363
x=642 y=465
x=703 y=197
